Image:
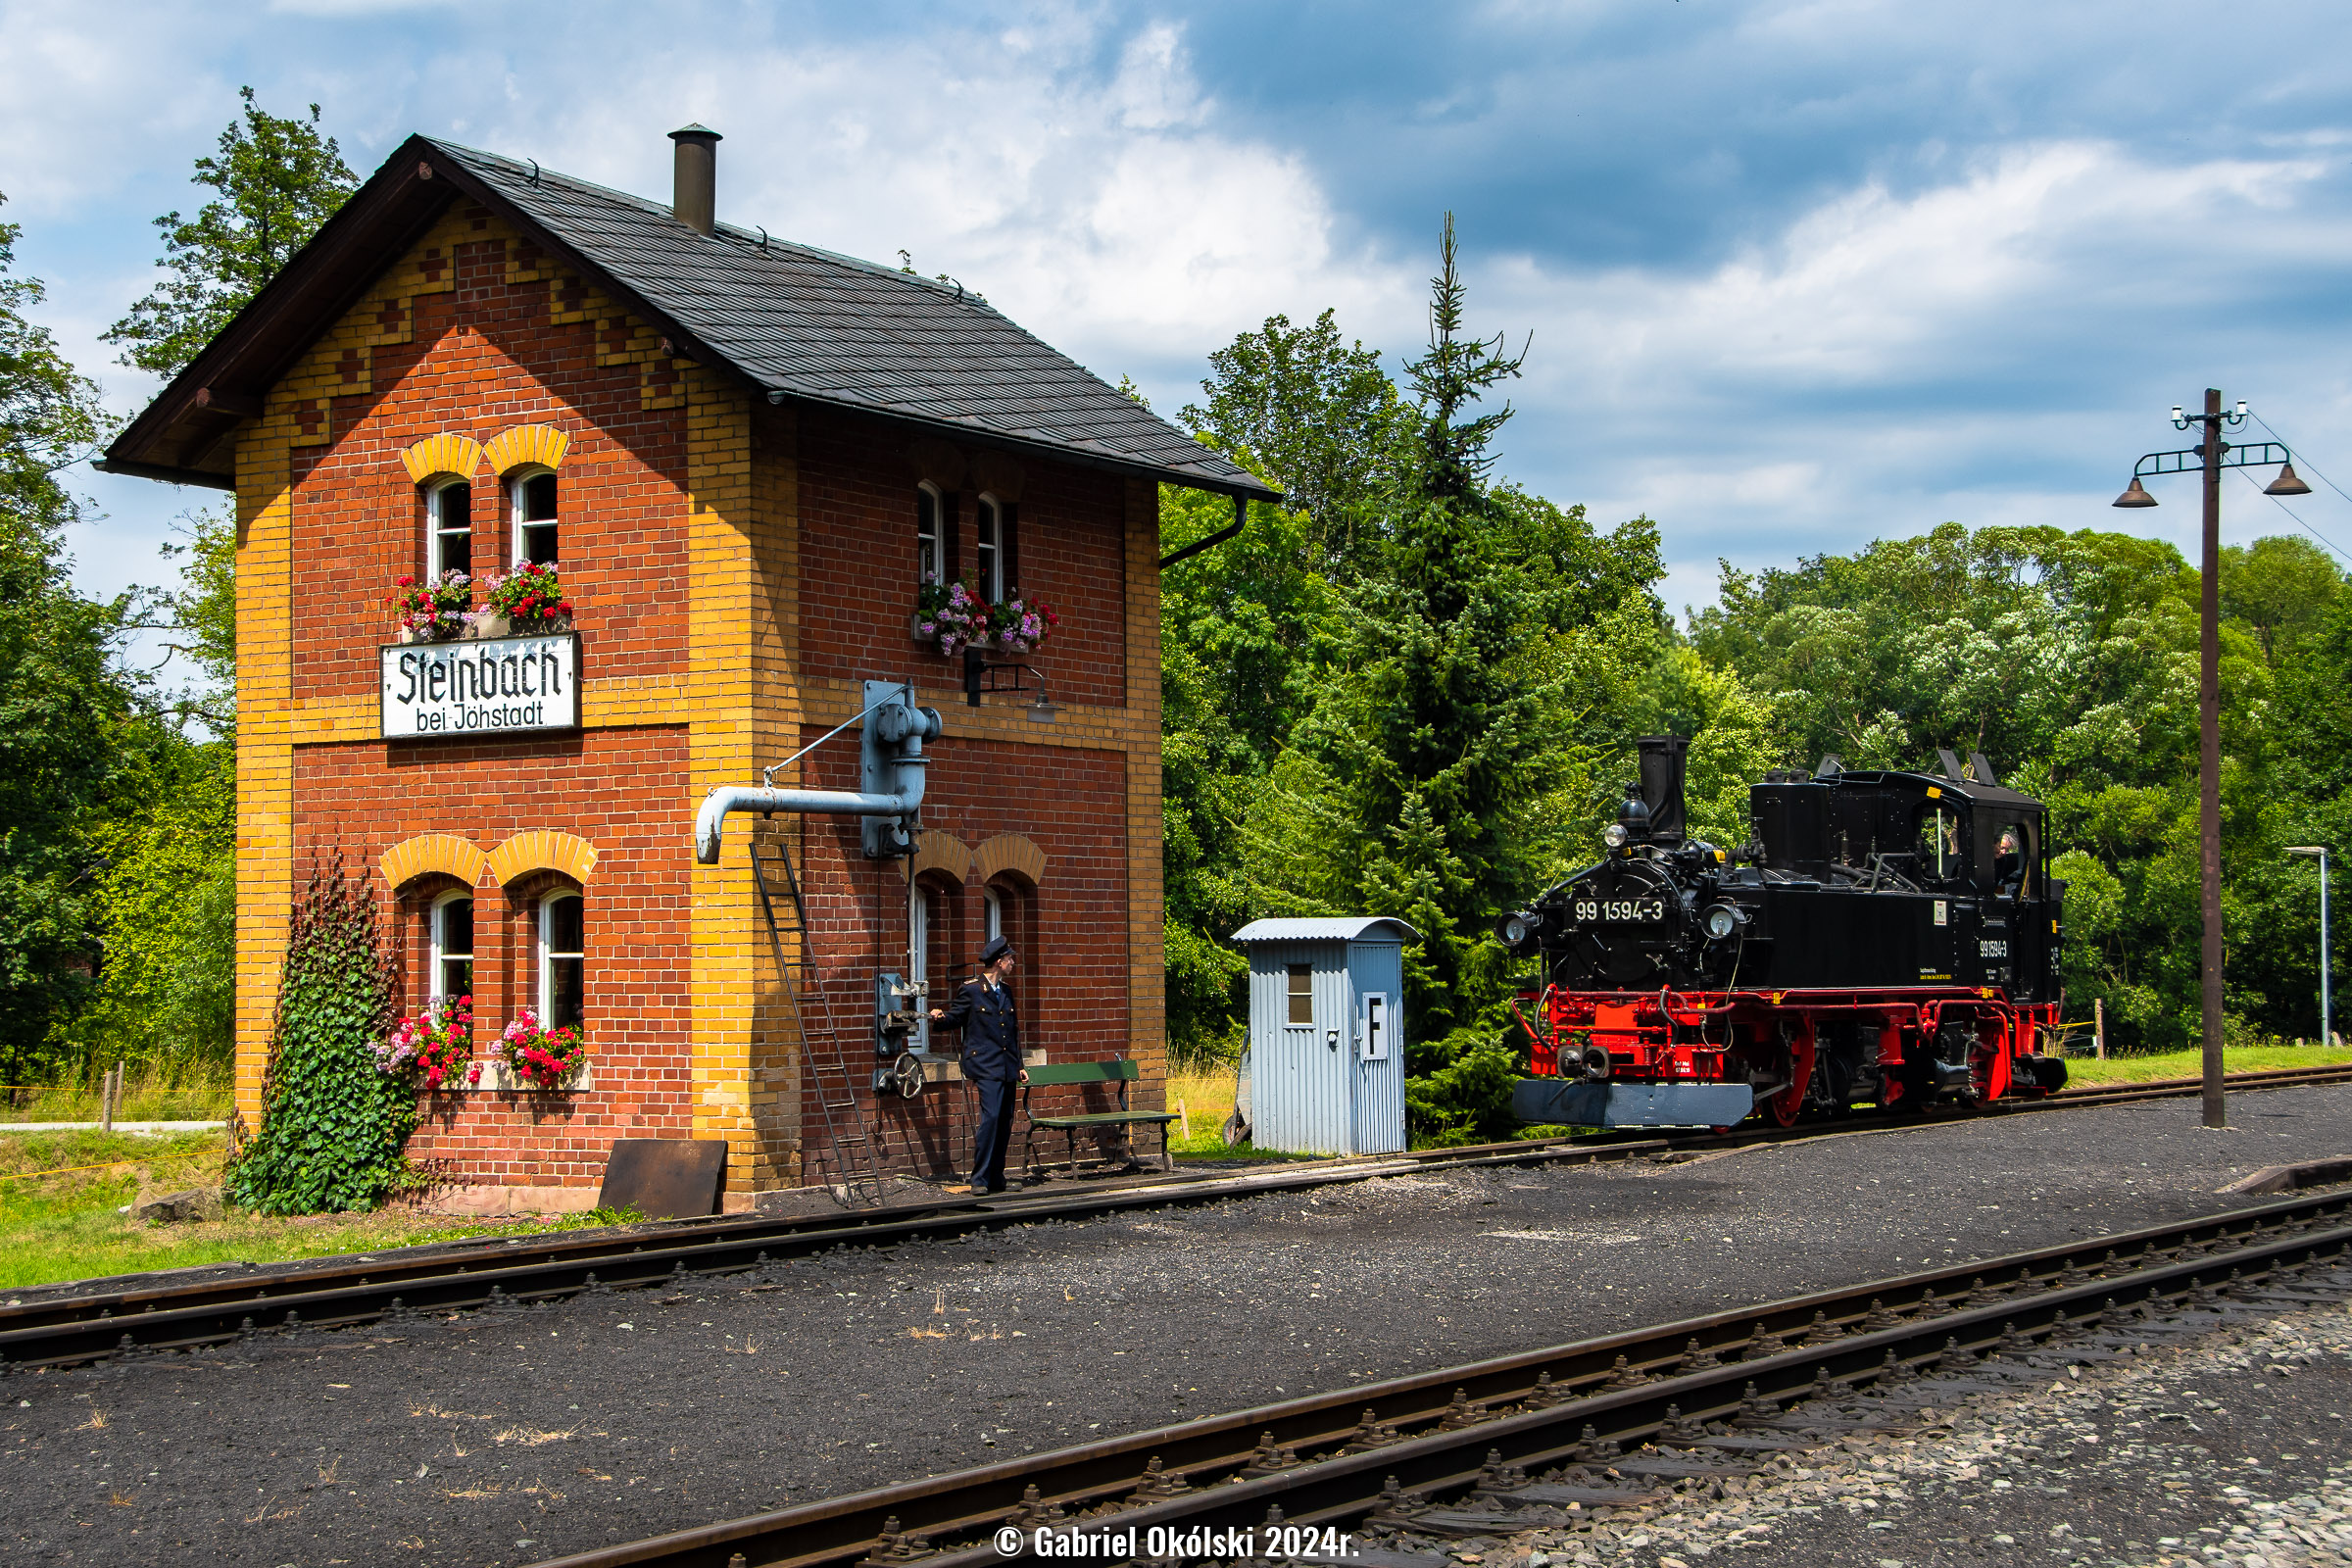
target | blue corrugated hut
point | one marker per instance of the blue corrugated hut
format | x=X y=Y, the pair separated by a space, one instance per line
x=1327 y=1034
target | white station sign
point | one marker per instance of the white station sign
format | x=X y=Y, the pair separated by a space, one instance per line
x=491 y=687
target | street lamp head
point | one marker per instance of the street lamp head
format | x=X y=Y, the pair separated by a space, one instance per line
x=2239 y=415
x=2306 y=848
x=2179 y=418
x=2135 y=495
x=2289 y=484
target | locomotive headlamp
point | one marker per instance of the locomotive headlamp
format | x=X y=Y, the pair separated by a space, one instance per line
x=1516 y=930
x=1613 y=835
x=1722 y=921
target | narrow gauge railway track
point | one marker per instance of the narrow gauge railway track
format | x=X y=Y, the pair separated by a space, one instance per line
x=1332 y=1459
x=64 y=1329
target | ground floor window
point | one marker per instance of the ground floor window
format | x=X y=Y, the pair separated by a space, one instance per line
x=452 y=946
x=563 y=958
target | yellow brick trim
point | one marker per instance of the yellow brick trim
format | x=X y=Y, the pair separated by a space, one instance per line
x=1010 y=852
x=543 y=849
x=938 y=850
x=428 y=852
x=540 y=444
x=1146 y=898
x=264 y=753
x=721 y=747
x=445 y=452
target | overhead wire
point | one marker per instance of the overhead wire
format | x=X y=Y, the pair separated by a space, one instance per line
x=2300 y=456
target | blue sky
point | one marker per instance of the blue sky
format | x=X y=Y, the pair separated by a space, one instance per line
x=1798 y=275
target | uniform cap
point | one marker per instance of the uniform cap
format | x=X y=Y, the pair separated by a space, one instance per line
x=996 y=948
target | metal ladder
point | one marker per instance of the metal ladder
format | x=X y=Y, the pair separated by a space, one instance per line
x=835 y=1090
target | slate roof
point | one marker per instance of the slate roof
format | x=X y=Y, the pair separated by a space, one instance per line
x=813 y=325
x=797 y=323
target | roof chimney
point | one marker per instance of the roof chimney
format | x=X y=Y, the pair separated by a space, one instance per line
x=695 y=200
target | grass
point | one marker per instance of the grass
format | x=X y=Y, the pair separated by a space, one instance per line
x=66 y=1226
x=140 y=1102
x=2081 y=1070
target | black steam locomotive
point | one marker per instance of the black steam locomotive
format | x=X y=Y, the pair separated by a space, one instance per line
x=1885 y=938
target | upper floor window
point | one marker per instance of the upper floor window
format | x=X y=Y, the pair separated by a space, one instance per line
x=563 y=958
x=449 y=527
x=927 y=561
x=531 y=504
x=452 y=946
x=994 y=533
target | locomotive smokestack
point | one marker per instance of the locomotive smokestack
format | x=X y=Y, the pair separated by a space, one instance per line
x=1662 y=785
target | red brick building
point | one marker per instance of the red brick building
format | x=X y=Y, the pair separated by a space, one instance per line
x=741 y=455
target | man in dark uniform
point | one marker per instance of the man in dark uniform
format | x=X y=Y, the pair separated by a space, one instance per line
x=992 y=1057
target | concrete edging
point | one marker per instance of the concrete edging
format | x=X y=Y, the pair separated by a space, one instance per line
x=2294 y=1178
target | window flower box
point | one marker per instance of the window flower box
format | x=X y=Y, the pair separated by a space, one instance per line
x=436 y=610
x=953 y=616
x=527 y=602
x=540 y=1060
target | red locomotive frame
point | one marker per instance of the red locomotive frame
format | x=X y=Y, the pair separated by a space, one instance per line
x=1768 y=1040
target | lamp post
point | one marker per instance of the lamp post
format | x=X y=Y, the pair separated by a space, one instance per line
x=2327 y=1024
x=2212 y=455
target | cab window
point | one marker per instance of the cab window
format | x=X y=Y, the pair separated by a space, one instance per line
x=1941 y=855
x=2015 y=858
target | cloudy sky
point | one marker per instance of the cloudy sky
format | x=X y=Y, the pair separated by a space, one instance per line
x=1799 y=274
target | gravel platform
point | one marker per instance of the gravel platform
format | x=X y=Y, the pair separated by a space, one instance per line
x=506 y=1436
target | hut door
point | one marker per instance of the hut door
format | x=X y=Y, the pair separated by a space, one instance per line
x=1377 y=1026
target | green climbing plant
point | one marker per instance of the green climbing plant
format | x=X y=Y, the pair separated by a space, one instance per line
x=334 y=1125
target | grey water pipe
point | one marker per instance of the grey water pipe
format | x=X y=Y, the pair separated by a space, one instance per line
x=896 y=723
x=712 y=818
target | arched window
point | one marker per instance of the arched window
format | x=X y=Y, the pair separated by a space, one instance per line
x=929 y=567
x=563 y=958
x=449 y=527
x=994 y=535
x=452 y=946
x=531 y=507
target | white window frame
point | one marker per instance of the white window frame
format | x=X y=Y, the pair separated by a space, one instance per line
x=929 y=536
x=516 y=524
x=436 y=553
x=545 y=993
x=918 y=955
x=988 y=531
x=442 y=957
x=992 y=915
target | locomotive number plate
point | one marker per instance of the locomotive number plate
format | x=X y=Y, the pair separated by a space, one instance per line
x=1621 y=911
x=1992 y=949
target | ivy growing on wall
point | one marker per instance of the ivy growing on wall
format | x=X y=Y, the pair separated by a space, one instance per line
x=332 y=1124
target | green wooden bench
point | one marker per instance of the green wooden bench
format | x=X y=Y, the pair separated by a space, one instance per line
x=1114 y=1071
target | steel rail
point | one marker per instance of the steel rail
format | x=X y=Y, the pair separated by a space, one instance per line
x=1434 y=1432
x=63 y=1329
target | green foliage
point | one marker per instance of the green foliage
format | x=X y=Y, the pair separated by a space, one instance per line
x=332 y=1124
x=62 y=700
x=1320 y=419
x=277 y=180
x=166 y=906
